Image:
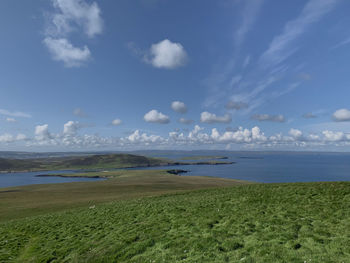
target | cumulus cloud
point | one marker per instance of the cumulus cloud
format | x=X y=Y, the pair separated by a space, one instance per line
x=185 y=121
x=62 y=50
x=9 y=138
x=138 y=137
x=71 y=128
x=6 y=138
x=267 y=117
x=179 y=106
x=198 y=136
x=116 y=122
x=341 y=115
x=295 y=133
x=334 y=136
x=14 y=113
x=21 y=137
x=71 y=16
x=236 y=105
x=208 y=117
x=167 y=54
x=155 y=116
x=42 y=132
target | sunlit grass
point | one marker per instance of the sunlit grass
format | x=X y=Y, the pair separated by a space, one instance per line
x=252 y=223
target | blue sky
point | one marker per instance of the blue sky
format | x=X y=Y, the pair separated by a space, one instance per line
x=151 y=74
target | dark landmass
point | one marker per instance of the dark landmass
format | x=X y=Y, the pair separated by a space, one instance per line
x=176 y=171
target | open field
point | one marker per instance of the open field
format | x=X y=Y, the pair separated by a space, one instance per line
x=37 y=199
x=302 y=222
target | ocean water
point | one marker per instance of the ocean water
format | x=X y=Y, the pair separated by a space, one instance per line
x=264 y=167
x=27 y=178
x=272 y=167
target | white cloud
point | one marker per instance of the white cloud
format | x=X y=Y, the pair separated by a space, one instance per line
x=15 y=113
x=137 y=137
x=71 y=16
x=295 y=133
x=280 y=49
x=6 y=138
x=21 y=137
x=8 y=119
x=267 y=117
x=156 y=117
x=333 y=136
x=116 y=122
x=185 y=121
x=342 y=115
x=73 y=13
x=167 y=54
x=71 y=128
x=42 y=132
x=179 y=106
x=62 y=50
x=208 y=117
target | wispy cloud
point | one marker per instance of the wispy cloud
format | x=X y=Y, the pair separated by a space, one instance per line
x=15 y=113
x=281 y=46
x=342 y=43
x=249 y=15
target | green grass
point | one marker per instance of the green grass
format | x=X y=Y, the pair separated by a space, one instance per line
x=31 y=200
x=304 y=222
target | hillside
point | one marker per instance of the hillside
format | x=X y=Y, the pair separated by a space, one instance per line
x=302 y=222
x=81 y=162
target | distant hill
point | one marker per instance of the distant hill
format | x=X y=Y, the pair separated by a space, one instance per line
x=99 y=161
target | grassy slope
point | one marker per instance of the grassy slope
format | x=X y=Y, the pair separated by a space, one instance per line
x=252 y=223
x=104 y=161
x=37 y=199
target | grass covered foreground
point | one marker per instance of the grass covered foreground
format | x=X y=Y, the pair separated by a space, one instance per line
x=302 y=222
x=32 y=200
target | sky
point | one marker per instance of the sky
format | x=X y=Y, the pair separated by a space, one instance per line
x=78 y=75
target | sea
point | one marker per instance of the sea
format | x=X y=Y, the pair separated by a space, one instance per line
x=262 y=167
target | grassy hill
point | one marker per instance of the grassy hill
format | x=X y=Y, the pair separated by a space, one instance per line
x=103 y=161
x=302 y=222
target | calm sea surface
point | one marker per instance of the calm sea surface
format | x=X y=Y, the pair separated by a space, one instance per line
x=275 y=167
x=251 y=166
x=17 y=179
